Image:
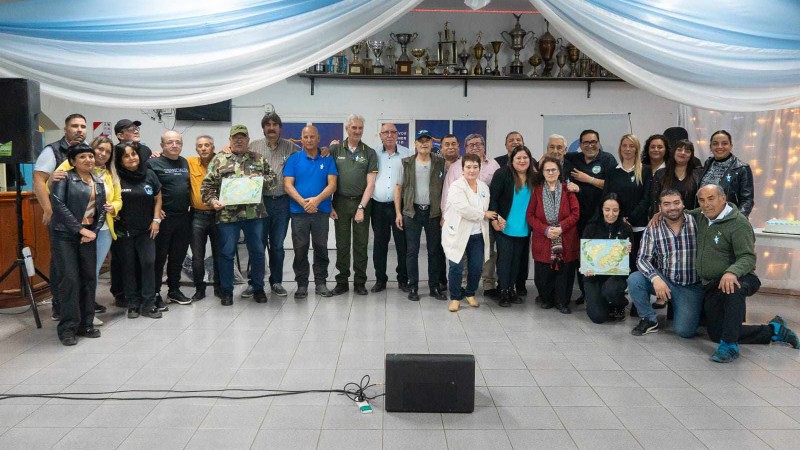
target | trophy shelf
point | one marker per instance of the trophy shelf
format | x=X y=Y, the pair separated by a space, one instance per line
x=465 y=78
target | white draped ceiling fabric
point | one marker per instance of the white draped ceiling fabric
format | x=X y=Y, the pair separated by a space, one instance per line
x=732 y=55
x=154 y=54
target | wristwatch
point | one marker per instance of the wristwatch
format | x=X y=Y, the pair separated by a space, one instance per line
x=157 y=220
x=360 y=206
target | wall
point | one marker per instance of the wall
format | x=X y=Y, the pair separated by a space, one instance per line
x=506 y=105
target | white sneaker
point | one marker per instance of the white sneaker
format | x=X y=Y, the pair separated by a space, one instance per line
x=97 y=322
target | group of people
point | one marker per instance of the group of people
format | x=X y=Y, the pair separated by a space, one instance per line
x=480 y=216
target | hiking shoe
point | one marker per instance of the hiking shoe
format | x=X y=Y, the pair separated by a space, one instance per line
x=725 y=352
x=645 y=326
x=323 y=291
x=133 y=313
x=783 y=333
x=278 y=290
x=248 y=292
x=177 y=296
x=153 y=312
x=260 y=296
x=301 y=292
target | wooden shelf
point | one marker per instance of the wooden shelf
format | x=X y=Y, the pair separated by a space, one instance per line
x=465 y=78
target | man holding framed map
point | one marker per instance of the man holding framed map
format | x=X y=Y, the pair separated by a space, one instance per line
x=233 y=187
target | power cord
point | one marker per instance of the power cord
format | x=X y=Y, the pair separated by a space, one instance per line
x=357 y=393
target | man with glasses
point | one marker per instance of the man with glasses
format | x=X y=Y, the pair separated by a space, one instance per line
x=476 y=144
x=390 y=154
x=172 y=241
x=275 y=150
x=357 y=165
x=514 y=139
x=587 y=170
x=128 y=131
x=237 y=218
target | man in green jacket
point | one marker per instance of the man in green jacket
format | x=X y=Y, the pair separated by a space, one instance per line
x=725 y=263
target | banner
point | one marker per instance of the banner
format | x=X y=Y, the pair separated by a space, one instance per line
x=610 y=126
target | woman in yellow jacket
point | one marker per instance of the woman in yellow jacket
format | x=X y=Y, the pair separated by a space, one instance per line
x=102 y=147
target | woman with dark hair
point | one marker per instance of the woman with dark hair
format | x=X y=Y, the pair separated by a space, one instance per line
x=729 y=172
x=683 y=173
x=465 y=231
x=78 y=215
x=605 y=294
x=137 y=228
x=656 y=153
x=553 y=214
x=511 y=190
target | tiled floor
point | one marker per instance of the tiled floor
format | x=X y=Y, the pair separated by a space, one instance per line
x=544 y=380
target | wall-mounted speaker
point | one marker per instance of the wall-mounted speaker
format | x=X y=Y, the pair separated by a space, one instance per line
x=19 y=120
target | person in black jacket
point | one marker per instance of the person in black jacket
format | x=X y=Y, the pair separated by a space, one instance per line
x=510 y=193
x=683 y=173
x=728 y=171
x=605 y=294
x=657 y=152
x=78 y=214
x=137 y=227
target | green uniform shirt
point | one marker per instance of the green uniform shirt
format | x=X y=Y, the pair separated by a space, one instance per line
x=231 y=165
x=353 y=168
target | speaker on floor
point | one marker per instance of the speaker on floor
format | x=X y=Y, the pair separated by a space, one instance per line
x=19 y=120
x=430 y=383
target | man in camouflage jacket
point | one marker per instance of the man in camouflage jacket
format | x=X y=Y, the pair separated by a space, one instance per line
x=234 y=218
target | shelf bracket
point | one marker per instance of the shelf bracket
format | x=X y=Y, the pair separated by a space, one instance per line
x=312 y=84
x=588 y=89
x=465 y=87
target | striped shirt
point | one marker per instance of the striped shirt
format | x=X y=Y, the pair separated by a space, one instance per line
x=663 y=253
x=276 y=157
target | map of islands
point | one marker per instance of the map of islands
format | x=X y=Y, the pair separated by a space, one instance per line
x=604 y=257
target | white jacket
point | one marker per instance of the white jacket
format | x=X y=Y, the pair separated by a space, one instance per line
x=461 y=214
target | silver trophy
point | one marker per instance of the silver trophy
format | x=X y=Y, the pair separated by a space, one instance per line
x=403 y=62
x=377 y=50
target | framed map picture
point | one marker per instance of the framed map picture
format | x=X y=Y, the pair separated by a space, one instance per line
x=605 y=257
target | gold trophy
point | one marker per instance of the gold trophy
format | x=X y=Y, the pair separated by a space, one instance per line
x=534 y=61
x=418 y=53
x=477 y=50
x=573 y=54
x=356 y=68
x=431 y=65
x=496 y=47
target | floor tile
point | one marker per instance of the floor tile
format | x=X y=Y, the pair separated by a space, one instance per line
x=571 y=396
x=762 y=418
x=727 y=439
x=32 y=438
x=286 y=440
x=588 y=418
x=779 y=439
x=541 y=440
x=237 y=416
x=157 y=438
x=419 y=439
x=213 y=439
x=517 y=396
x=668 y=440
x=350 y=439
x=93 y=438
x=57 y=416
x=477 y=440
x=704 y=418
x=294 y=417
x=646 y=418
x=604 y=439
x=484 y=418
x=529 y=418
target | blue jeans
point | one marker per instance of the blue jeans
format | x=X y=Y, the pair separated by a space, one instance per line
x=103 y=245
x=687 y=302
x=276 y=225
x=228 y=236
x=474 y=256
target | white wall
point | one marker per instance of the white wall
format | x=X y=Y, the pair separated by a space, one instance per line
x=506 y=105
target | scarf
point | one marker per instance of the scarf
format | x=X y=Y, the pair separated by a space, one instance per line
x=552 y=203
x=129 y=175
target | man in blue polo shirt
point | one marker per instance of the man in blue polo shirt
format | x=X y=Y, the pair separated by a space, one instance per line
x=310 y=180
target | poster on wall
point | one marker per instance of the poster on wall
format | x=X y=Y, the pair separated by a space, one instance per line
x=610 y=126
x=463 y=128
x=436 y=128
x=102 y=129
x=328 y=131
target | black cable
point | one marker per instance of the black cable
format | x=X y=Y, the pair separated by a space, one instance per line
x=357 y=393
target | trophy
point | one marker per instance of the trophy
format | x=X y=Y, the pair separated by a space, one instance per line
x=534 y=61
x=463 y=57
x=496 y=47
x=585 y=66
x=573 y=55
x=561 y=60
x=403 y=61
x=377 y=49
x=447 y=49
x=516 y=39
x=418 y=53
x=431 y=65
x=477 y=50
x=390 y=58
x=356 y=67
x=488 y=57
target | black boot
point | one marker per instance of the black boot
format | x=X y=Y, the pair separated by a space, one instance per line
x=505 y=298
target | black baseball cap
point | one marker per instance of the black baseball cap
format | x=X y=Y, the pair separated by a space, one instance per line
x=125 y=123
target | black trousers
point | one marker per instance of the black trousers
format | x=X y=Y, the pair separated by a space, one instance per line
x=725 y=313
x=76 y=264
x=138 y=250
x=554 y=286
x=54 y=277
x=384 y=228
x=204 y=227
x=604 y=293
x=172 y=242
x=512 y=260
x=422 y=220
x=308 y=229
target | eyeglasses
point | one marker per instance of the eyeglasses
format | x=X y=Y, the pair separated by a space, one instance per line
x=592 y=143
x=389 y=133
x=173 y=142
x=550 y=170
x=476 y=145
x=132 y=129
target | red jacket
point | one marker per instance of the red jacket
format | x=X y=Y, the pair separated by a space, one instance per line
x=568 y=215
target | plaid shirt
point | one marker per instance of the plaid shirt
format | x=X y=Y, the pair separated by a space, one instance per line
x=663 y=253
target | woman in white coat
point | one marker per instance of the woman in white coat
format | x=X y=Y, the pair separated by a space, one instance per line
x=466 y=231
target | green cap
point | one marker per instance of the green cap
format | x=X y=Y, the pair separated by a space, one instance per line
x=239 y=129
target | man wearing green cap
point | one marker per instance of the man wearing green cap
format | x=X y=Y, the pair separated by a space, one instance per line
x=235 y=218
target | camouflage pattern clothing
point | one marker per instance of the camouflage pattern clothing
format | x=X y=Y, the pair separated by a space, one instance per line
x=231 y=165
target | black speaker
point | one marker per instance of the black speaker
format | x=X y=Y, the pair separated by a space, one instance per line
x=430 y=383
x=19 y=120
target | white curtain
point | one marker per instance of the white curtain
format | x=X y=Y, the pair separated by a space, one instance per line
x=732 y=55
x=770 y=143
x=154 y=54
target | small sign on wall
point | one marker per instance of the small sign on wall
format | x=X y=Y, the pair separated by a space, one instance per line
x=102 y=129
